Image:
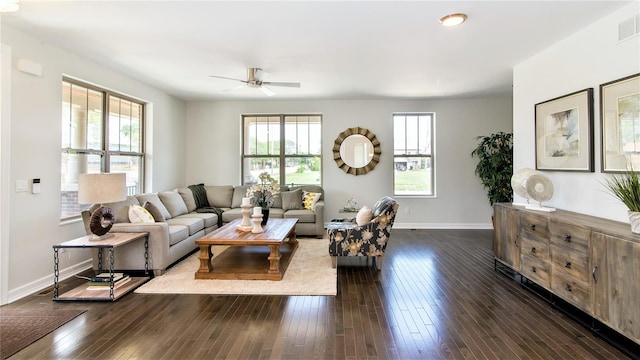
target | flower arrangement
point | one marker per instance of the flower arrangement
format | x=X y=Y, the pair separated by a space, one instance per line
x=262 y=192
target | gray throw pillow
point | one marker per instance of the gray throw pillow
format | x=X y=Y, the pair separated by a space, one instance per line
x=155 y=200
x=239 y=192
x=291 y=200
x=155 y=212
x=187 y=197
x=173 y=202
x=219 y=196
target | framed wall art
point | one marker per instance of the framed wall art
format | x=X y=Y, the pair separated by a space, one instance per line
x=620 y=115
x=564 y=132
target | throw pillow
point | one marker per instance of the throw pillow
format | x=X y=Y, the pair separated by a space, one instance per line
x=309 y=199
x=291 y=200
x=188 y=198
x=155 y=212
x=364 y=215
x=173 y=202
x=138 y=214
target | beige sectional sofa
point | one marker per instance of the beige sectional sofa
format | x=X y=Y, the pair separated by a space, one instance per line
x=178 y=223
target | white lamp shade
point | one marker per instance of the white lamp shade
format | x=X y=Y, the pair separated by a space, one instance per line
x=101 y=188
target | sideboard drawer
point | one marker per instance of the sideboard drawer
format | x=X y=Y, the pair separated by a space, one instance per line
x=570 y=263
x=574 y=291
x=535 y=224
x=534 y=246
x=570 y=236
x=536 y=270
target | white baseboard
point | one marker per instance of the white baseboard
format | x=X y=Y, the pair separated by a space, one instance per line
x=47 y=281
x=444 y=226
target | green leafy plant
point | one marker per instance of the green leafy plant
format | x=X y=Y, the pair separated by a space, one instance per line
x=495 y=165
x=626 y=187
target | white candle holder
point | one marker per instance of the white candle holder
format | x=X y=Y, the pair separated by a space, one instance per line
x=245 y=225
x=257 y=226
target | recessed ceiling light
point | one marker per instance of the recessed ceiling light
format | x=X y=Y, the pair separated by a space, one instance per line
x=453 y=19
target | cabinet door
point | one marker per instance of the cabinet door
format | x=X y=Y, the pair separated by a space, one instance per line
x=616 y=284
x=623 y=261
x=505 y=240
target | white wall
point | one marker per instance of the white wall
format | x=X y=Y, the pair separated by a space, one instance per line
x=213 y=152
x=586 y=59
x=34 y=224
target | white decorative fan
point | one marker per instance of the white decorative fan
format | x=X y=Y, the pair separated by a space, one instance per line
x=540 y=188
x=519 y=183
x=255 y=79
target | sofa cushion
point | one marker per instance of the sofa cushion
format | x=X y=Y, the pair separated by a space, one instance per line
x=187 y=197
x=192 y=223
x=138 y=214
x=275 y=213
x=303 y=215
x=311 y=188
x=219 y=196
x=155 y=212
x=177 y=233
x=309 y=199
x=291 y=200
x=120 y=208
x=173 y=202
x=155 y=200
x=210 y=219
x=232 y=214
x=239 y=192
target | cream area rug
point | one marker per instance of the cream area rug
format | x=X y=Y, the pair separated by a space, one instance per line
x=309 y=273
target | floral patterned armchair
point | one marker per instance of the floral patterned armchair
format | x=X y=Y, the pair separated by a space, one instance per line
x=347 y=238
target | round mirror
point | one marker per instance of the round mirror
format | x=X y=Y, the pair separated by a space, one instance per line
x=356 y=151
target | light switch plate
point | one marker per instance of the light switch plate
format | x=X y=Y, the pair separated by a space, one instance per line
x=22 y=186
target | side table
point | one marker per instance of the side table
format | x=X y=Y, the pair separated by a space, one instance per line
x=81 y=292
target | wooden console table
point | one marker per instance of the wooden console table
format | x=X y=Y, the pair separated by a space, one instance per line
x=85 y=242
x=589 y=262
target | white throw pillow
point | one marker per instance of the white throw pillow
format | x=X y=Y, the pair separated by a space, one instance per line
x=364 y=215
x=138 y=214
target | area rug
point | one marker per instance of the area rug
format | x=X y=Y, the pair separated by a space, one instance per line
x=20 y=328
x=309 y=273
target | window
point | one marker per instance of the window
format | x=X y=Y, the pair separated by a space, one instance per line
x=91 y=118
x=413 y=154
x=292 y=140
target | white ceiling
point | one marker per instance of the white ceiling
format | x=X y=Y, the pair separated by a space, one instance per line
x=336 y=49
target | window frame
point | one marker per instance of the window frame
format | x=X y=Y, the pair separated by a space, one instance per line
x=104 y=153
x=431 y=155
x=282 y=155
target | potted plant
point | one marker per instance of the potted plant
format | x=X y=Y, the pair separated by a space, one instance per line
x=262 y=193
x=626 y=187
x=495 y=165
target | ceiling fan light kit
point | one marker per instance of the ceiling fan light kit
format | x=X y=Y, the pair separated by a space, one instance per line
x=453 y=19
x=255 y=78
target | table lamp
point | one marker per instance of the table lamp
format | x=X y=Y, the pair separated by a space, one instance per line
x=101 y=189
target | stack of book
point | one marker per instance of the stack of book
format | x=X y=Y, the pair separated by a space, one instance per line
x=103 y=281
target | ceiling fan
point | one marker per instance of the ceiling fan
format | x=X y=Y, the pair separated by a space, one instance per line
x=255 y=79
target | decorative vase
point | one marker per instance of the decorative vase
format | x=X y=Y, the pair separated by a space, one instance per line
x=634 y=221
x=265 y=215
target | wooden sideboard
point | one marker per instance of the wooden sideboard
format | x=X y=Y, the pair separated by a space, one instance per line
x=590 y=262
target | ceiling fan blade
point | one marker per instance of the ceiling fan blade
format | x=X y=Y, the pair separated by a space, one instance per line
x=227 y=78
x=286 y=84
x=235 y=88
x=267 y=91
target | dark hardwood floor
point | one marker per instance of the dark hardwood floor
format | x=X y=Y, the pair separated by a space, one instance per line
x=437 y=297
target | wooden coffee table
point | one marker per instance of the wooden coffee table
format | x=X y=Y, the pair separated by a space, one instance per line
x=263 y=256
